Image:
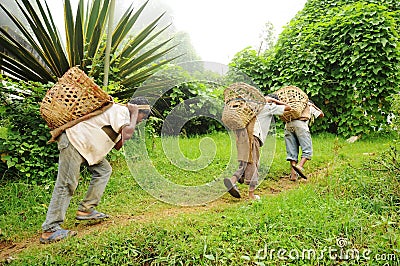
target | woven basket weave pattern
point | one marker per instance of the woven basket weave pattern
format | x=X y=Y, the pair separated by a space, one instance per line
x=242 y=103
x=296 y=98
x=73 y=96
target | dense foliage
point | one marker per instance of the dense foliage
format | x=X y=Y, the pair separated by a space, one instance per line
x=25 y=154
x=344 y=54
x=193 y=97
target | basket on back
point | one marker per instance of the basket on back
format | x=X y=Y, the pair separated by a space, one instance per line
x=73 y=98
x=242 y=103
x=296 y=98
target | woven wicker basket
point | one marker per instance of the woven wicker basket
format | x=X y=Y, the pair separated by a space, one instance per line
x=242 y=103
x=296 y=98
x=73 y=96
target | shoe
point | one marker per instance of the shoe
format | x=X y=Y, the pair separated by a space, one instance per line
x=299 y=170
x=241 y=179
x=57 y=236
x=232 y=188
x=94 y=215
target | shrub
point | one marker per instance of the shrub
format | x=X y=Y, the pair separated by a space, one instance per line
x=187 y=97
x=25 y=152
x=344 y=54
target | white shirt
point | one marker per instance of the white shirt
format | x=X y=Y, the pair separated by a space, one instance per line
x=263 y=120
x=314 y=112
x=89 y=138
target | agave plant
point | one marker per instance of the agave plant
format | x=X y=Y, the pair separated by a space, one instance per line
x=39 y=55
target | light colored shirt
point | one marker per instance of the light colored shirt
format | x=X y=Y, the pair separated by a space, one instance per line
x=89 y=138
x=314 y=112
x=263 y=121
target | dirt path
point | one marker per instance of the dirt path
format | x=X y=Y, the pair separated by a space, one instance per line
x=9 y=249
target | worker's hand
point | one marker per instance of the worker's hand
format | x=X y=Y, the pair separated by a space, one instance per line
x=133 y=109
x=268 y=99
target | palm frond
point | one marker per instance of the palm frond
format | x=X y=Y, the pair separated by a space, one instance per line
x=13 y=69
x=48 y=52
x=39 y=53
x=144 y=59
x=141 y=75
x=95 y=30
x=141 y=40
x=125 y=25
x=22 y=55
x=78 y=35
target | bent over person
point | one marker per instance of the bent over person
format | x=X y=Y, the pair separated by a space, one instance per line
x=248 y=143
x=89 y=142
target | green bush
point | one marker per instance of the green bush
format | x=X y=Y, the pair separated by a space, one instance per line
x=344 y=54
x=189 y=96
x=396 y=113
x=25 y=152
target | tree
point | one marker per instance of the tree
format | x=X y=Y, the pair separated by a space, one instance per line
x=345 y=55
x=85 y=44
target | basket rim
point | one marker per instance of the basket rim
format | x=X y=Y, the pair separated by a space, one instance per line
x=290 y=87
x=281 y=92
x=242 y=85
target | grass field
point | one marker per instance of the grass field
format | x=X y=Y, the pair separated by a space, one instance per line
x=347 y=213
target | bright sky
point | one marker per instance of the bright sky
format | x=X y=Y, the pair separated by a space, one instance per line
x=221 y=28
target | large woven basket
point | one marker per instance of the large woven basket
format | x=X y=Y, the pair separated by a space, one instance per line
x=72 y=97
x=296 y=98
x=242 y=103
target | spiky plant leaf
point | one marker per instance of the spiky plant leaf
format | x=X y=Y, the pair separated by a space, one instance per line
x=40 y=55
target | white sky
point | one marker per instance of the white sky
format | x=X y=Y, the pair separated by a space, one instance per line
x=219 y=28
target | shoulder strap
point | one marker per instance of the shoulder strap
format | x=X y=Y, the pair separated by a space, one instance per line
x=110 y=132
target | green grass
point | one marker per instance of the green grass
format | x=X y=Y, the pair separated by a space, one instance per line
x=207 y=156
x=345 y=202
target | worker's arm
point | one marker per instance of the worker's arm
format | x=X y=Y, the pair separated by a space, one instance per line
x=128 y=130
x=270 y=99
